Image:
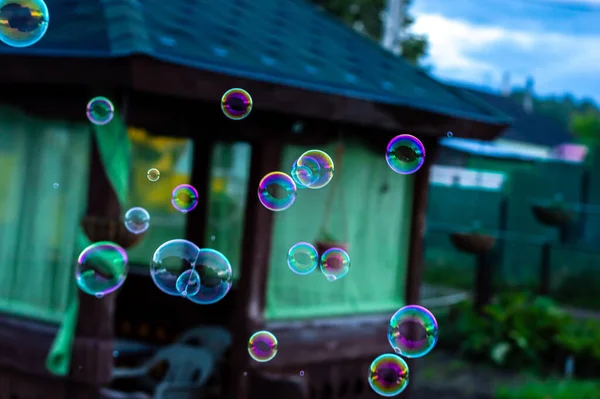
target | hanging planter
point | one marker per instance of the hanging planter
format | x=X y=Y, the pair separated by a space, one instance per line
x=556 y=214
x=473 y=242
x=102 y=229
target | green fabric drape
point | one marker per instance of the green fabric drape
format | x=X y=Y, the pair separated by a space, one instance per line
x=371 y=211
x=114 y=147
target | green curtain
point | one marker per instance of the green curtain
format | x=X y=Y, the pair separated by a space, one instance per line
x=371 y=211
x=114 y=148
x=45 y=165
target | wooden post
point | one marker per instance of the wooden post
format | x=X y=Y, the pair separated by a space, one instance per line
x=414 y=271
x=256 y=248
x=196 y=221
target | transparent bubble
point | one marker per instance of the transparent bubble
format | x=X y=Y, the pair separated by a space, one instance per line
x=170 y=261
x=388 y=375
x=413 y=331
x=449 y=134
x=101 y=268
x=405 y=154
x=314 y=169
x=153 y=174
x=188 y=283
x=184 y=198
x=23 y=22
x=277 y=191
x=100 y=111
x=303 y=174
x=262 y=346
x=335 y=263
x=180 y=268
x=55 y=185
x=137 y=220
x=303 y=258
x=236 y=104
x=216 y=277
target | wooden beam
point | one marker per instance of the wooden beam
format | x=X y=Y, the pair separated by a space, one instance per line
x=414 y=271
x=256 y=248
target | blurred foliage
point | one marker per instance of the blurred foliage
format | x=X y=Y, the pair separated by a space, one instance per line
x=553 y=389
x=524 y=332
x=365 y=16
x=586 y=126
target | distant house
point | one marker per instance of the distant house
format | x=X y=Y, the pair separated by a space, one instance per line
x=531 y=137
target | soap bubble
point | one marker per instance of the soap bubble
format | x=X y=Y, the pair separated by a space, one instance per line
x=101 y=268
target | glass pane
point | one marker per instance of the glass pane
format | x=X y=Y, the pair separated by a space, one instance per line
x=227 y=200
x=173 y=158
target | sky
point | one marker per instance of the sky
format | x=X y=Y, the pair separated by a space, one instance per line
x=557 y=42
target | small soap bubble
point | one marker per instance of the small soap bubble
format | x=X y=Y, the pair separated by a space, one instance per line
x=303 y=258
x=216 y=277
x=301 y=373
x=405 y=154
x=450 y=134
x=137 y=220
x=277 y=191
x=153 y=174
x=314 y=169
x=100 y=111
x=335 y=263
x=101 y=268
x=23 y=22
x=413 y=331
x=55 y=185
x=188 y=283
x=302 y=174
x=236 y=104
x=388 y=375
x=184 y=198
x=262 y=346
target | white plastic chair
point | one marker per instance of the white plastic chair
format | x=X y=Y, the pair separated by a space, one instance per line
x=189 y=369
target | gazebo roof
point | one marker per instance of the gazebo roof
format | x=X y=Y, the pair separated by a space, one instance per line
x=282 y=43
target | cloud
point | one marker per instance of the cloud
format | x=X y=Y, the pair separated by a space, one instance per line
x=464 y=50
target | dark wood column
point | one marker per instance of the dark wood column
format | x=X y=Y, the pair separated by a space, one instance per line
x=256 y=247
x=414 y=271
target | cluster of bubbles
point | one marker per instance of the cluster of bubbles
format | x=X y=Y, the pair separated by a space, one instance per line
x=204 y=276
x=412 y=333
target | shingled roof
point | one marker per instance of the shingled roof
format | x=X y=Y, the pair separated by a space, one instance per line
x=285 y=42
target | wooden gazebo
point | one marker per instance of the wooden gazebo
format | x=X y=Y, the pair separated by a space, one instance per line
x=166 y=65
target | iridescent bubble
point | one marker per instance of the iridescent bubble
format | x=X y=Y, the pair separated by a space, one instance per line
x=300 y=174
x=137 y=220
x=413 y=331
x=23 y=22
x=405 y=154
x=170 y=261
x=314 y=169
x=184 y=198
x=55 y=185
x=450 y=134
x=188 y=283
x=216 y=277
x=303 y=258
x=236 y=104
x=335 y=263
x=262 y=346
x=153 y=174
x=101 y=268
x=277 y=191
x=100 y=111
x=388 y=375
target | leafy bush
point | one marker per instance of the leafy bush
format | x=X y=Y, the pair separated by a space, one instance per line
x=524 y=332
x=568 y=389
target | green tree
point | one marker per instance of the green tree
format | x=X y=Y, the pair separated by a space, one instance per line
x=366 y=17
x=586 y=126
